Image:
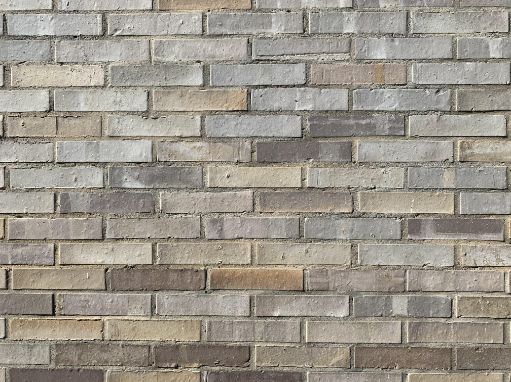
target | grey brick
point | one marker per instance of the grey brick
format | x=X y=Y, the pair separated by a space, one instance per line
x=301 y=151
x=353 y=377
x=455 y=332
x=204 y=253
x=484 y=151
x=455 y=281
x=302 y=305
x=56 y=177
x=270 y=4
x=402 y=99
x=102 y=50
x=258 y=74
x=154 y=24
x=356 y=280
x=485 y=203
x=253 y=125
x=106 y=5
x=155 y=75
x=253 y=331
x=193 y=304
x=441 y=125
x=110 y=203
x=221 y=49
x=111 y=304
x=30 y=126
x=303 y=253
x=299 y=99
x=388 y=177
x=406 y=254
x=251 y=228
x=356 y=125
x=454 y=228
x=100 y=100
x=25 y=5
x=54 y=25
x=101 y=354
x=352 y=228
x=485 y=3
x=55 y=229
x=353 y=332
x=104 y=151
x=305 y=201
x=483 y=99
x=237 y=176
x=121 y=253
x=483 y=47
x=403 y=3
x=485 y=255
x=205 y=202
x=160 y=228
x=460 y=177
x=23 y=354
x=460 y=22
x=25 y=50
x=266 y=48
x=19 y=101
x=401 y=306
x=26 y=202
x=164 y=126
x=357 y=22
x=252 y=23
x=403 y=48
x=461 y=73
x=26 y=152
x=405 y=151
x=203 y=151
x=155 y=177
x=27 y=254
x=298 y=356
x=25 y=304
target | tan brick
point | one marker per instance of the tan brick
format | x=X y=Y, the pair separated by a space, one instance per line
x=152 y=330
x=200 y=99
x=256 y=278
x=397 y=357
x=320 y=356
x=484 y=306
x=303 y=253
x=153 y=376
x=79 y=126
x=204 y=253
x=201 y=5
x=353 y=332
x=461 y=377
x=55 y=329
x=227 y=176
x=56 y=75
x=456 y=332
x=358 y=74
x=64 y=278
x=29 y=126
x=407 y=202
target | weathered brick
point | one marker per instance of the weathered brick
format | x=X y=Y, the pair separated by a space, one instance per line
x=203 y=151
x=26 y=303
x=252 y=228
x=457 y=125
x=257 y=74
x=298 y=99
x=151 y=75
x=156 y=279
x=160 y=228
x=353 y=332
x=388 y=177
x=461 y=73
x=353 y=377
x=24 y=354
x=455 y=228
x=305 y=201
x=262 y=4
x=253 y=331
x=227 y=176
x=79 y=126
x=112 y=203
x=25 y=50
x=252 y=23
x=105 y=253
x=253 y=125
x=303 y=151
x=56 y=75
x=352 y=228
x=200 y=100
x=355 y=280
x=485 y=203
x=208 y=50
x=155 y=177
x=55 y=329
x=483 y=99
x=204 y=202
x=403 y=3
x=203 y=4
x=266 y=48
x=456 y=281
x=153 y=376
x=483 y=47
x=104 y=151
x=56 y=177
x=303 y=253
x=25 y=5
x=45 y=24
x=154 y=24
x=459 y=177
x=154 y=330
x=102 y=51
x=402 y=99
x=195 y=355
x=394 y=357
x=103 y=304
x=100 y=100
x=256 y=278
x=27 y=202
x=254 y=376
x=459 y=377
x=318 y=356
x=55 y=229
x=19 y=101
x=460 y=22
x=484 y=151
x=483 y=358
x=401 y=306
x=29 y=254
x=203 y=253
x=484 y=306
x=455 y=332
x=485 y=255
x=406 y=202
x=30 y=126
x=104 y=5
x=357 y=22
x=166 y=126
x=391 y=48
x=52 y=375
x=301 y=305
x=101 y=354
x=406 y=254
x=202 y=304
x=358 y=74
x=356 y=125
x=47 y=278
x=405 y=151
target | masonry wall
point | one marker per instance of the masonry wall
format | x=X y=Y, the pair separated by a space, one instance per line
x=255 y=191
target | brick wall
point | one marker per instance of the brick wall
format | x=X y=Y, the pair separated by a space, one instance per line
x=255 y=191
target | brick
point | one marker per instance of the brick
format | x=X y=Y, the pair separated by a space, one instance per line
x=200 y=5
x=461 y=73
x=357 y=22
x=298 y=99
x=257 y=74
x=103 y=5
x=301 y=305
x=195 y=355
x=455 y=332
x=56 y=177
x=262 y=4
x=202 y=304
x=61 y=375
x=203 y=151
x=202 y=253
x=406 y=202
x=256 y=278
x=394 y=357
x=153 y=376
x=305 y=201
x=29 y=126
x=154 y=24
x=319 y=356
x=165 y=126
x=352 y=228
x=353 y=377
x=55 y=329
x=113 y=203
x=56 y=75
x=483 y=47
x=208 y=50
x=304 y=150
x=353 y=332
x=405 y=151
x=460 y=22
x=100 y=100
x=25 y=304
x=104 y=304
x=161 y=228
x=227 y=176
x=401 y=306
x=455 y=228
x=105 y=253
x=266 y=48
x=402 y=99
x=251 y=228
x=455 y=281
x=483 y=100
x=46 y=278
x=460 y=177
x=401 y=48
x=27 y=254
x=403 y=3
x=200 y=100
x=230 y=126
x=102 y=51
x=485 y=203
x=19 y=101
x=204 y=202
x=431 y=255
x=358 y=74
x=484 y=151
x=487 y=3
x=152 y=75
x=252 y=23
x=27 y=202
x=79 y=126
x=474 y=125
x=485 y=255
x=54 y=25
x=483 y=358
x=156 y=279
x=388 y=177
x=460 y=377
x=253 y=331
x=25 y=50
x=24 y=354
x=303 y=253
x=101 y=354
x=254 y=376
x=55 y=229
x=152 y=330
x=25 y=5
x=484 y=306
x=155 y=177
x=104 y=151
x=355 y=280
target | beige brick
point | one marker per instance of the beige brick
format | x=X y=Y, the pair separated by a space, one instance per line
x=407 y=202
x=64 y=278
x=353 y=332
x=152 y=330
x=254 y=176
x=56 y=75
x=358 y=74
x=484 y=306
x=29 y=126
x=303 y=253
x=200 y=99
x=256 y=278
x=201 y=5
x=456 y=332
x=153 y=376
x=106 y=253
x=55 y=329
x=320 y=356
x=204 y=202
x=79 y=126
x=461 y=377
x=204 y=253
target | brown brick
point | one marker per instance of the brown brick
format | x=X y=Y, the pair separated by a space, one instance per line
x=483 y=358
x=358 y=74
x=63 y=278
x=55 y=375
x=195 y=355
x=152 y=330
x=305 y=201
x=101 y=354
x=394 y=357
x=484 y=306
x=26 y=303
x=200 y=99
x=202 y=5
x=254 y=376
x=156 y=279
x=55 y=329
x=256 y=278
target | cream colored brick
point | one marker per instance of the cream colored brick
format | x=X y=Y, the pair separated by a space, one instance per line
x=407 y=202
x=153 y=330
x=55 y=329
x=153 y=376
x=228 y=176
x=64 y=278
x=200 y=99
x=56 y=75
